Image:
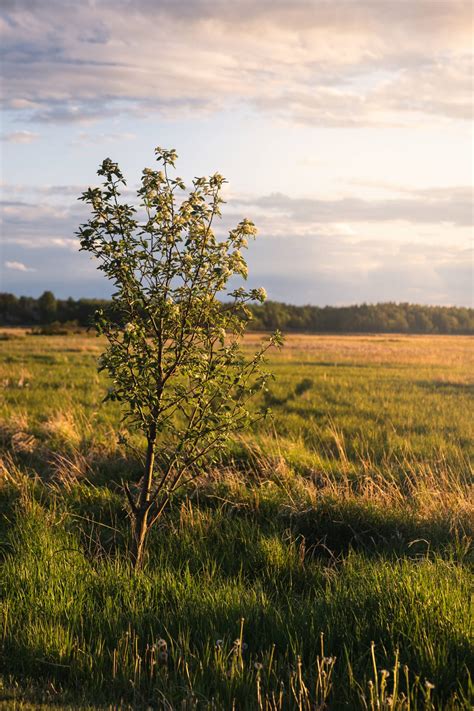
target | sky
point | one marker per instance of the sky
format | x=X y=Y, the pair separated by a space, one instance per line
x=344 y=128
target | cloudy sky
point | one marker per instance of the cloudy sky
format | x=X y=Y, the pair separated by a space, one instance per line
x=344 y=128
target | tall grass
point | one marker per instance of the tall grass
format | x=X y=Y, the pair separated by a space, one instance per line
x=227 y=567
x=321 y=565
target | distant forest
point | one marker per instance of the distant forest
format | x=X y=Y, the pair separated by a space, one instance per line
x=364 y=318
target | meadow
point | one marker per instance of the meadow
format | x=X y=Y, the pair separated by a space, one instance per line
x=325 y=563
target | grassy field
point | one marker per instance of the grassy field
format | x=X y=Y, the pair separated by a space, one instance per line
x=326 y=563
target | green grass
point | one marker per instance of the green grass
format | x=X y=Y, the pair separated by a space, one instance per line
x=334 y=544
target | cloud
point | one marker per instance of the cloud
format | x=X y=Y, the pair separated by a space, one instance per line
x=310 y=250
x=19 y=267
x=19 y=137
x=431 y=206
x=344 y=63
x=327 y=270
x=39 y=224
x=48 y=216
x=315 y=269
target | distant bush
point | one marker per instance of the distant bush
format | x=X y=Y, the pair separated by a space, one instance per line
x=9 y=336
x=57 y=329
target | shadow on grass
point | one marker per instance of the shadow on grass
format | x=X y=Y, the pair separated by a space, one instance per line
x=446 y=386
x=336 y=527
x=332 y=527
x=328 y=530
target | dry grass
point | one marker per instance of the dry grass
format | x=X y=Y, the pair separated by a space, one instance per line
x=344 y=348
x=384 y=348
x=62 y=425
x=429 y=493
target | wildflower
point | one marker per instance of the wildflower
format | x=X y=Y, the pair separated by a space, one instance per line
x=237 y=264
x=129 y=328
x=173 y=309
x=429 y=685
x=259 y=294
x=248 y=228
x=258 y=666
x=97 y=202
x=240 y=646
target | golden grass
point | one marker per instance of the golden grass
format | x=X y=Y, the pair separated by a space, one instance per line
x=377 y=348
x=431 y=491
x=65 y=439
x=344 y=348
x=62 y=425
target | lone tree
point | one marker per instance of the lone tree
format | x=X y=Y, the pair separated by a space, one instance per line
x=173 y=355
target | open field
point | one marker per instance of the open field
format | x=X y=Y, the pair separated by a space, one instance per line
x=326 y=563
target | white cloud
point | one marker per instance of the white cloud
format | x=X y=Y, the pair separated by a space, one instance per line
x=344 y=63
x=19 y=267
x=20 y=137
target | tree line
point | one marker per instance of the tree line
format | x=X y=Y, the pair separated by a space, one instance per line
x=363 y=318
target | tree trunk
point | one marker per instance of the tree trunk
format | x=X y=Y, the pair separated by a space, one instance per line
x=140 y=523
x=140 y=530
